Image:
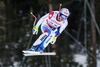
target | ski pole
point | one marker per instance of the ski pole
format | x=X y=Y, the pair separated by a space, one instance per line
x=34 y=18
x=60 y=7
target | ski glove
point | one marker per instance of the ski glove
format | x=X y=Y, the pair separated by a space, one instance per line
x=53 y=40
x=35 y=30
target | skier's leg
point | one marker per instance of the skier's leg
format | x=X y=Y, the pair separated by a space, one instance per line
x=41 y=38
x=46 y=42
x=39 y=41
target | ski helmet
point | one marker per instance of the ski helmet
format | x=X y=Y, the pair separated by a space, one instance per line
x=64 y=13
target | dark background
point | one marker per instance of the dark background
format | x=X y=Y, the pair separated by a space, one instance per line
x=82 y=36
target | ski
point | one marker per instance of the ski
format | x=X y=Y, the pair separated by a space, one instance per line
x=27 y=51
x=39 y=53
x=33 y=53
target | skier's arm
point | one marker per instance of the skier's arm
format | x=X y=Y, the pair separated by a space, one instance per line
x=64 y=26
x=35 y=28
x=41 y=20
x=60 y=30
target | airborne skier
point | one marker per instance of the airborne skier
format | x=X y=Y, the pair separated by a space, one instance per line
x=52 y=25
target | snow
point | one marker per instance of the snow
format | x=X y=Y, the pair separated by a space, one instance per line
x=16 y=64
x=98 y=63
x=82 y=60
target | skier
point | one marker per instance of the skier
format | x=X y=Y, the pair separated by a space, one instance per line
x=52 y=25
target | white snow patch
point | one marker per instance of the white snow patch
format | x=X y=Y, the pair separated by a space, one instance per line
x=81 y=59
x=98 y=63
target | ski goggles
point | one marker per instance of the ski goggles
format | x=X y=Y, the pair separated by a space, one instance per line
x=63 y=16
